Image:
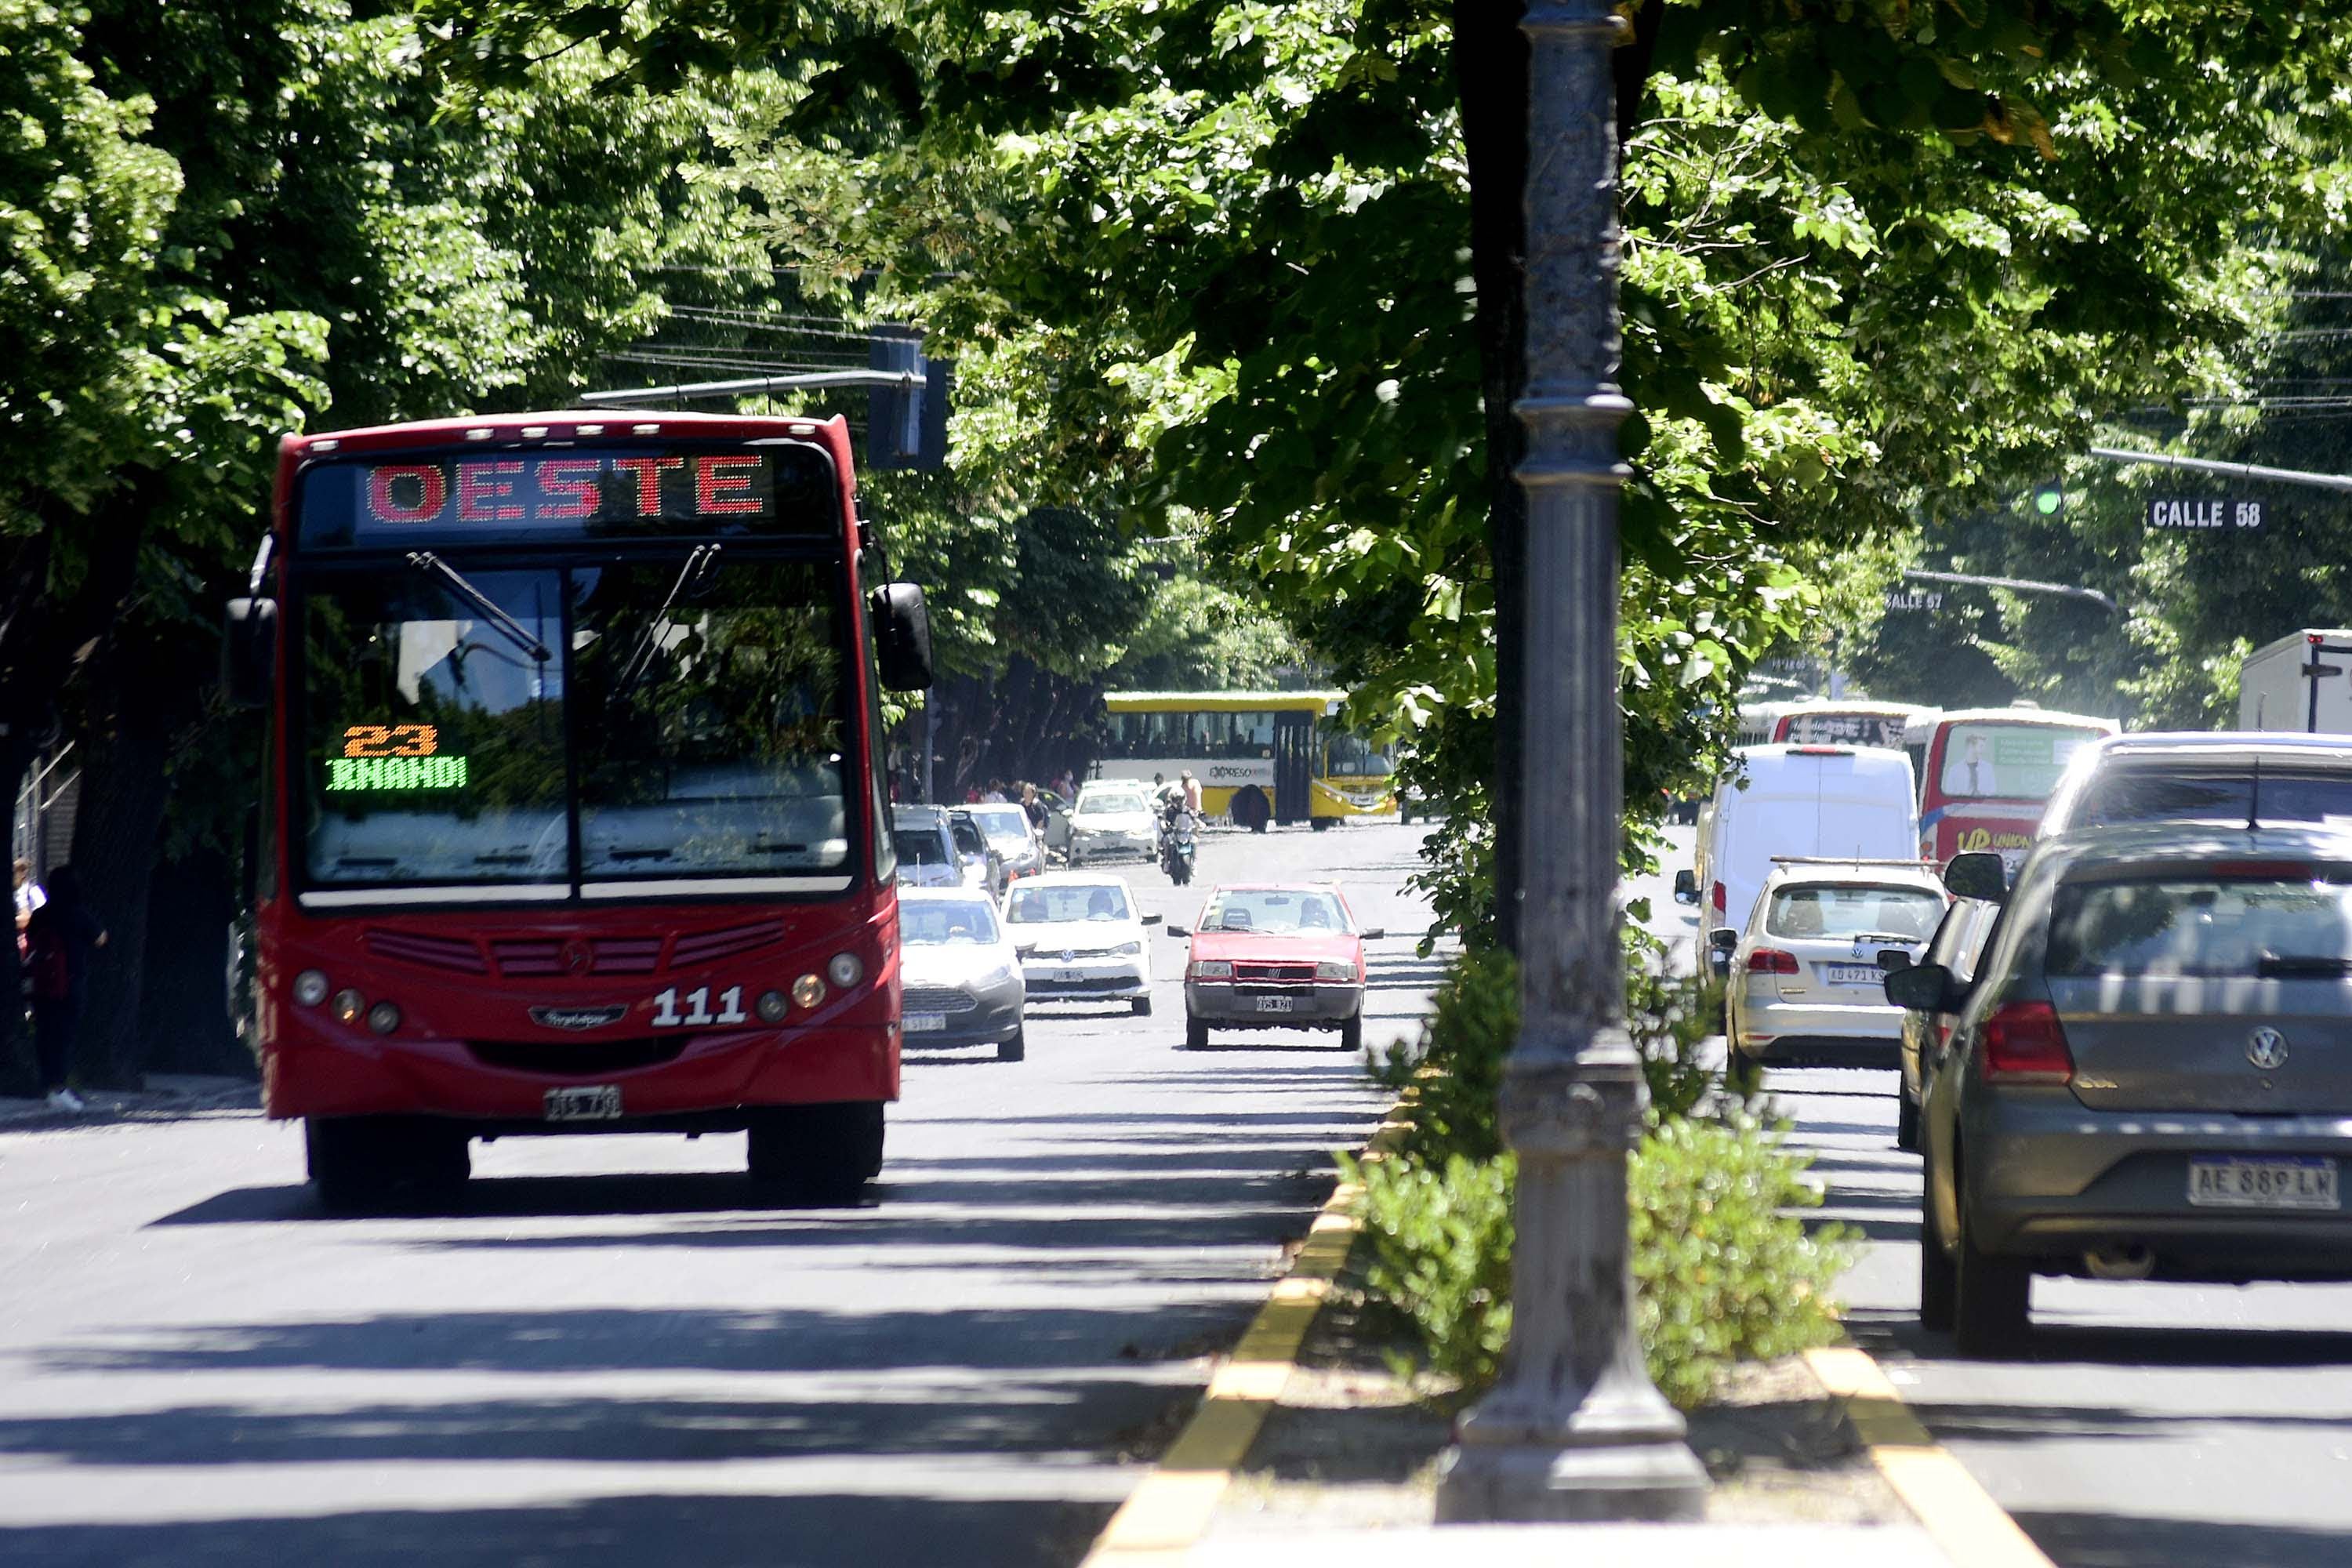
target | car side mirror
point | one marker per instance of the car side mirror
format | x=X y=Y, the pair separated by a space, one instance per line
x=1977 y=874
x=1176 y=930
x=1921 y=987
x=249 y=652
x=1722 y=939
x=1152 y=919
x=1686 y=886
x=1891 y=959
x=1375 y=933
x=902 y=637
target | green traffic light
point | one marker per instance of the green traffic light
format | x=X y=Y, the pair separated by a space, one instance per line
x=2047 y=499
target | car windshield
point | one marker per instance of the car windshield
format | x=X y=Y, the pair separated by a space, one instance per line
x=1066 y=902
x=2195 y=924
x=1838 y=912
x=1283 y=913
x=1004 y=825
x=706 y=707
x=2146 y=794
x=924 y=923
x=1105 y=803
x=921 y=847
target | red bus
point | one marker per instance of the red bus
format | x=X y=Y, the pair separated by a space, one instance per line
x=1843 y=721
x=571 y=817
x=1985 y=774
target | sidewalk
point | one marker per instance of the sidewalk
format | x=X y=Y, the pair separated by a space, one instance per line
x=167 y=1097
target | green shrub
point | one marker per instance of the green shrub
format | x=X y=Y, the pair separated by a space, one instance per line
x=1723 y=1270
x=1669 y=1017
x=1455 y=1069
x=1441 y=1256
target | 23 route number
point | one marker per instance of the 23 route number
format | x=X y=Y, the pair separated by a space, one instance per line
x=697 y=1008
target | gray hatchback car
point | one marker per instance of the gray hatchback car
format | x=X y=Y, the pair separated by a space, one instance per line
x=2151 y=1074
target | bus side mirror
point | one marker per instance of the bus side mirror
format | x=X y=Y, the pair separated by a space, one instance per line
x=1977 y=874
x=902 y=637
x=249 y=652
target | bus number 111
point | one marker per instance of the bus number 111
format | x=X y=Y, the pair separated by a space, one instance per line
x=697 y=1008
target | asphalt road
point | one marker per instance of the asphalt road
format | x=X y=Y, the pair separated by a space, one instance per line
x=2181 y=1426
x=605 y=1355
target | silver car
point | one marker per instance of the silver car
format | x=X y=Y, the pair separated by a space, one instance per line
x=2202 y=776
x=2151 y=1074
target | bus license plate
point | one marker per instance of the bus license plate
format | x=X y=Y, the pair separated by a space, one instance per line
x=1275 y=1004
x=925 y=1022
x=2234 y=1182
x=588 y=1102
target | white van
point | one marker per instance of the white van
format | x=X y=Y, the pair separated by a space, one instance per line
x=1846 y=802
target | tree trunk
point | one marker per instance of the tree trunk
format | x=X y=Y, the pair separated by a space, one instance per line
x=1490 y=69
x=183 y=1020
x=139 y=700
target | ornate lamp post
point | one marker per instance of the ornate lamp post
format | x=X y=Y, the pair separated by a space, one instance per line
x=1574 y=1430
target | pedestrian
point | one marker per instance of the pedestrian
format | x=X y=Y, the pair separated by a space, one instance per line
x=995 y=795
x=1066 y=787
x=60 y=937
x=29 y=896
x=1035 y=805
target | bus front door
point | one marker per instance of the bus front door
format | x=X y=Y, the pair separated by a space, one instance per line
x=1293 y=765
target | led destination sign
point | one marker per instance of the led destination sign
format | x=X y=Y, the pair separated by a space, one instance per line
x=786 y=488
x=393 y=757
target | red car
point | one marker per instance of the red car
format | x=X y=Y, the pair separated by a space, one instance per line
x=1274 y=955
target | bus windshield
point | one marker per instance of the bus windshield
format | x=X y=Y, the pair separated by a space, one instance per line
x=1993 y=761
x=688 y=719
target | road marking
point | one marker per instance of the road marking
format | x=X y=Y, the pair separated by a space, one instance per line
x=1956 y=1511
x=1161 y=1519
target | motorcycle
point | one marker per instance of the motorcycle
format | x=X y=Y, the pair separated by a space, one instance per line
x=1176 y=848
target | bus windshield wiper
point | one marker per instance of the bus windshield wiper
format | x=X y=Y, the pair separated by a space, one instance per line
x=517 y=633
x=2275 y=964
x=700 y=563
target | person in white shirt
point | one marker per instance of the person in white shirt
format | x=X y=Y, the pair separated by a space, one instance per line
x=29 y=896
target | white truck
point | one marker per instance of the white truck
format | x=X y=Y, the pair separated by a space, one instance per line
x=2303 y=682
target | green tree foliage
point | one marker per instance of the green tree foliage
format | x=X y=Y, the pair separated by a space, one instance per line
x=1874 y=254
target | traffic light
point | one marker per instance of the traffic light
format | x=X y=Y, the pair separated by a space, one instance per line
x=906 y=427
x=2048 y=497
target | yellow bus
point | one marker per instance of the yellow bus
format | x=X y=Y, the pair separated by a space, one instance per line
x=1260 y=756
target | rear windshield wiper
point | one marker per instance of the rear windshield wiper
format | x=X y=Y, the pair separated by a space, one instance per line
x=2275 y=964
x=517 y=633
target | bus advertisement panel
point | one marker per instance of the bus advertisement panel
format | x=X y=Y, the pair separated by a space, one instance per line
x=1985 y=774
x=574 y=822
x=1844 y=723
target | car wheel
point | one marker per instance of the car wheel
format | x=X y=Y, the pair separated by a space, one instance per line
x=1992 y=1297
x=1351 y=1034
x=1013 y=1049
x=1143 y=1006
x=819 y=1155
x=1196 y=1032
x=1906 y=1117
x=1935 y=1285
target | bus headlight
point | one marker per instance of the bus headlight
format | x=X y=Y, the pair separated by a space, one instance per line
x=384 y=1018
x=807 y=991
x=310 y=987
x=845 y=971
x=772 y=1006
x=348 y=1005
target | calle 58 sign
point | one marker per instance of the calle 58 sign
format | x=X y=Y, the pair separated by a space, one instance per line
x=2175 y=511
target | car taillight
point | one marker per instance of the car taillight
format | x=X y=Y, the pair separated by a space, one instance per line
x=2024 y=1044
x=1719 y=898
x=1771 y=961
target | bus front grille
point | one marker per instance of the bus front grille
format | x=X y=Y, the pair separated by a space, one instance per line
x=576 y=1058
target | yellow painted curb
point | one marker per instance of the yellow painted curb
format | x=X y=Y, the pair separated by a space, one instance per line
x=1957 y=1512
x=1161 y=1519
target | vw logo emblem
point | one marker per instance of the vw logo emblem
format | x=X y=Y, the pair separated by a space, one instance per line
x=579 y=958
x=2266 y=1048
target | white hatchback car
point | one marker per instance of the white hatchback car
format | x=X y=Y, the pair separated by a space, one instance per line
x=1080 y=939
x=1113 y=817
x=1803 y=982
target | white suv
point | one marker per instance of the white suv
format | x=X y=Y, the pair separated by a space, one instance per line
x=1803 y=982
